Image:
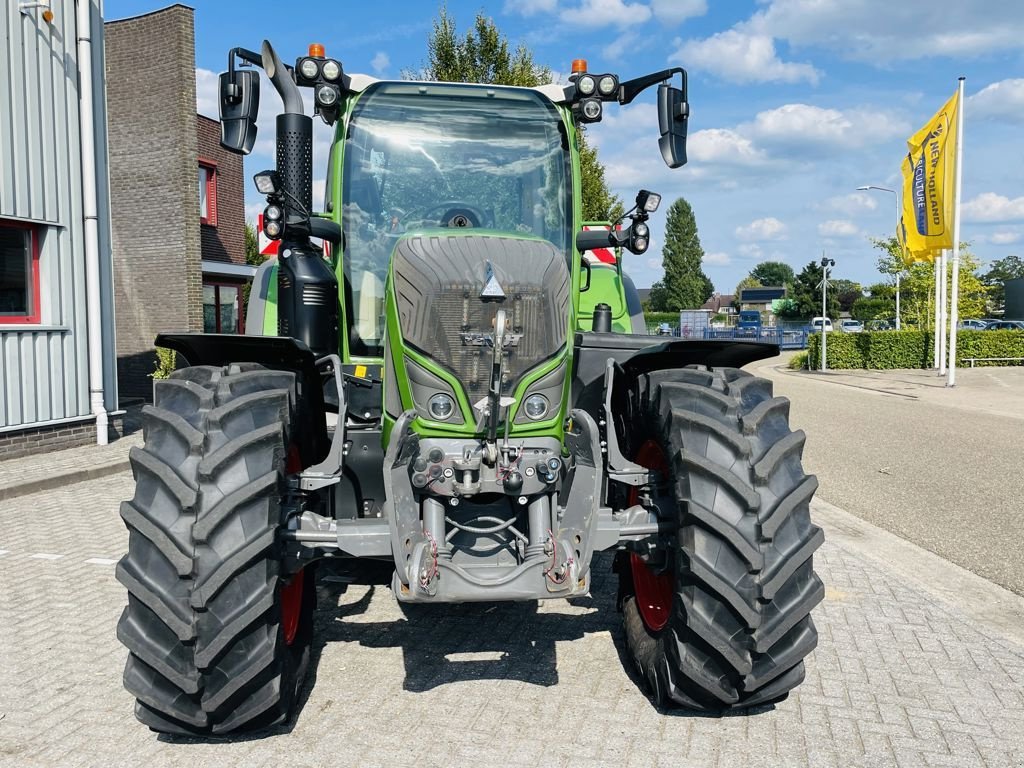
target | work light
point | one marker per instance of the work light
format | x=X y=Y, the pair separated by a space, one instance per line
x=607 y=85
x=267 y=182
x=331 y=70
x=648 y=202
x=309 y=69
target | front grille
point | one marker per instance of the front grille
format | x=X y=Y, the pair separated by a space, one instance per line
x=438 y=281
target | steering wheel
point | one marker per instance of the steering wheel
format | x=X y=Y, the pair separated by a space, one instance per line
x=455 y=213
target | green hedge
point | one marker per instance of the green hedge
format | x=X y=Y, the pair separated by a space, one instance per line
x=911 y=349
x=654 y=318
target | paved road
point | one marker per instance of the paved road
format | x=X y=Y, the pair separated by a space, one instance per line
x=901 y=677
x=942 y=469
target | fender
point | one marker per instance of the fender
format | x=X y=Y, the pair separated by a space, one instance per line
x=635 y=354
x=277 y=352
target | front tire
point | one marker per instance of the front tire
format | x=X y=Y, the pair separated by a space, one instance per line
x=727 y=623
x=218 y=636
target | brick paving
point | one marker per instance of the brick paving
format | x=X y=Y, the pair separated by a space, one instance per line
x=900 y=678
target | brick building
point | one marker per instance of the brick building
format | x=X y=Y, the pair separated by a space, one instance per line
x=176 y=196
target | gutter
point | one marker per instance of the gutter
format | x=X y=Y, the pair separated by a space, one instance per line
x=90 y=216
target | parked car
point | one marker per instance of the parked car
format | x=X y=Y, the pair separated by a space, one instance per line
x=974 y=324
x=851 y=326
x=665 y=330
x=1006 y=325
x=816 y=323
x=881 y=325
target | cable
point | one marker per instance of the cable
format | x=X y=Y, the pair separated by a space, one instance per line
x=426 y=579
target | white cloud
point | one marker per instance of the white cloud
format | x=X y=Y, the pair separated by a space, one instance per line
x=805 y=124
x=380 y=62
x=1004 y=238
x=722 y=145
x=530 y=7
x=879 y=31
x=855 y=202
x=600 y=13
x=740 y=57
x=620 y=46
x=838 y=228
x=678 y=11
x=207 y=93
x=751 y=251
x=768 y=228
x=990 y=207
x=717 y=259
x=1003 y=100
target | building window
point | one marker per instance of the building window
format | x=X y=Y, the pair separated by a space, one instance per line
x=19 y=273
x=222 y=308
x=208 y=192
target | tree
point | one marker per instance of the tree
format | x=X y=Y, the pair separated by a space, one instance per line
x=995 y=279
x=483 y=55
x=917 y=287
x=847 y=292
x=773 y=273
x=685 y=286
x=806 y=297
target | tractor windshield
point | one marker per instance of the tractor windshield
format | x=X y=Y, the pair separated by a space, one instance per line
x=421 y=156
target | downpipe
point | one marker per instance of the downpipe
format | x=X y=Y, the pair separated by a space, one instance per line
x=90 y=219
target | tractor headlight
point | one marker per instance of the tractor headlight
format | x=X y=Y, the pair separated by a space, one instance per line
x=309 y=69
x=536 y=407
x=640 y=245
x=607 y=85
x=441 y=406
x=331 y=70
x=591 y=109
x=326 y=95
x=586 y=85
x=272 y=229
x=641 y=230
x=273 y=213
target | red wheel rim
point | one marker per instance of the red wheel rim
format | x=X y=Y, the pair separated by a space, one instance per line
x=291 y=606
x=653 y=590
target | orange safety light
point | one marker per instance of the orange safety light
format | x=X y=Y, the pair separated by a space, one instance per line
x=578 y=66
x=48 y=16
x=316 y=49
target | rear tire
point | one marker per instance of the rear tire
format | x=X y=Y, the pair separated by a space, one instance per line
x=737 y=594
x=218 y=637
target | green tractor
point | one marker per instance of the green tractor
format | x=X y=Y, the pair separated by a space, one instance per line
x=447 y=384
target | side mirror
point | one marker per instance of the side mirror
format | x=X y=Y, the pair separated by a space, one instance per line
x=239 y=105
x=673 y=112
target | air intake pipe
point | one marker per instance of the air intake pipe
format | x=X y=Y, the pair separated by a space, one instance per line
x=307 y=289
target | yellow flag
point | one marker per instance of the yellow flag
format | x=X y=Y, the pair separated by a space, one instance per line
x=929 y=174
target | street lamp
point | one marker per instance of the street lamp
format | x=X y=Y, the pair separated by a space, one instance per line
x=826 y=265
x=865 y=188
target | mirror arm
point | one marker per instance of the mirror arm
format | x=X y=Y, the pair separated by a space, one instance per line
x=630 y=89
x=246 y=55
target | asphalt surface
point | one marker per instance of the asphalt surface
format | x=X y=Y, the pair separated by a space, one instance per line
x=941 y=468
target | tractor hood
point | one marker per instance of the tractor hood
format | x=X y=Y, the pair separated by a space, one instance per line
x=448 y=288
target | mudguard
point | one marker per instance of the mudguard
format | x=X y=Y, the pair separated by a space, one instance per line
x=635 y=354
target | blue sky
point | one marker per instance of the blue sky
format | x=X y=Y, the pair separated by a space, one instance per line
x=794 y=104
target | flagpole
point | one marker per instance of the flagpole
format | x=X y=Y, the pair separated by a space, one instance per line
x=936 y=330
x=943 y=311
x=951 y=380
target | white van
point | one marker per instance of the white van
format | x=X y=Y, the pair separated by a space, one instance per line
x=817 y=322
